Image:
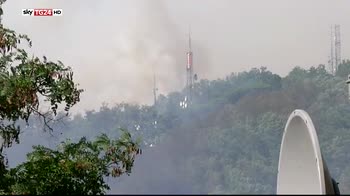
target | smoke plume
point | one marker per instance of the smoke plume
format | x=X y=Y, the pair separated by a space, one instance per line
x=113 y=52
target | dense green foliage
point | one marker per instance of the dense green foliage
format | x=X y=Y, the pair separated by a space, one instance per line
x=24 y=80
x=74 y=168
x=228 y=140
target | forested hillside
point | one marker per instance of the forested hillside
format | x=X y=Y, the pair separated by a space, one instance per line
x=228 y=140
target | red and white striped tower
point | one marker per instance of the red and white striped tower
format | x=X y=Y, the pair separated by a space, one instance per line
x=189 y=69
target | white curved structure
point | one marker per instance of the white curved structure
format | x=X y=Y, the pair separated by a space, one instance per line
x=301 y=168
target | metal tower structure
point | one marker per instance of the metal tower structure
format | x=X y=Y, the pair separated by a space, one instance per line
x=155 y=89
x=337 y=45
x=331 y=59
x=155 y=105
x=335 y=56
x=189 y=69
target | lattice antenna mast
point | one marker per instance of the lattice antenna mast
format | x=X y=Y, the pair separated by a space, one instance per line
x=155 y=89
x=337 y=46
x=335 y=56
x=189 y=68
x=331 y=60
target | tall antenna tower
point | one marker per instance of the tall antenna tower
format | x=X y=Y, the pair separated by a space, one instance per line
x=189 y=68
x=335 y=56
x=155 y=105
x=155 y=89
x=331 y=59
x=337 y=45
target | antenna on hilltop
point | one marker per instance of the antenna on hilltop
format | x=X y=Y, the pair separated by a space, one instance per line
x=155 y=89
x=189 y=68
x=190 y=77
x=335 y=56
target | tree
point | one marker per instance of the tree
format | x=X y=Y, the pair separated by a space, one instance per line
x=343 y=69
x=24 y=79
x=74 y=168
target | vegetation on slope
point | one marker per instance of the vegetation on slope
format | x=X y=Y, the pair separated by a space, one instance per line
x=228 y=140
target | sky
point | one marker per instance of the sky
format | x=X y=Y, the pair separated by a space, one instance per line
x=113 y=46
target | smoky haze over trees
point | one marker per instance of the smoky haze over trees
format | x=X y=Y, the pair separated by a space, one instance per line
x=123 y=39
x=227 y=141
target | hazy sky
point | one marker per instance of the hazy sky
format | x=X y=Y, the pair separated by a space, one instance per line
x=113 y=45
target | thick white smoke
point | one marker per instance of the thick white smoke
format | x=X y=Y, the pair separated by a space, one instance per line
x=114 y=45
x=113 y=48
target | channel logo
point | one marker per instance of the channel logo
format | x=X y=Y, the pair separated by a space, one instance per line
x=41 y=12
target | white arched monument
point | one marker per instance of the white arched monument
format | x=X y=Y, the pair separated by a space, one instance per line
x=301 y=169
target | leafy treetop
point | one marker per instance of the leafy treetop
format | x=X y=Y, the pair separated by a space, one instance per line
x=24 y=79
x=74 y=168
